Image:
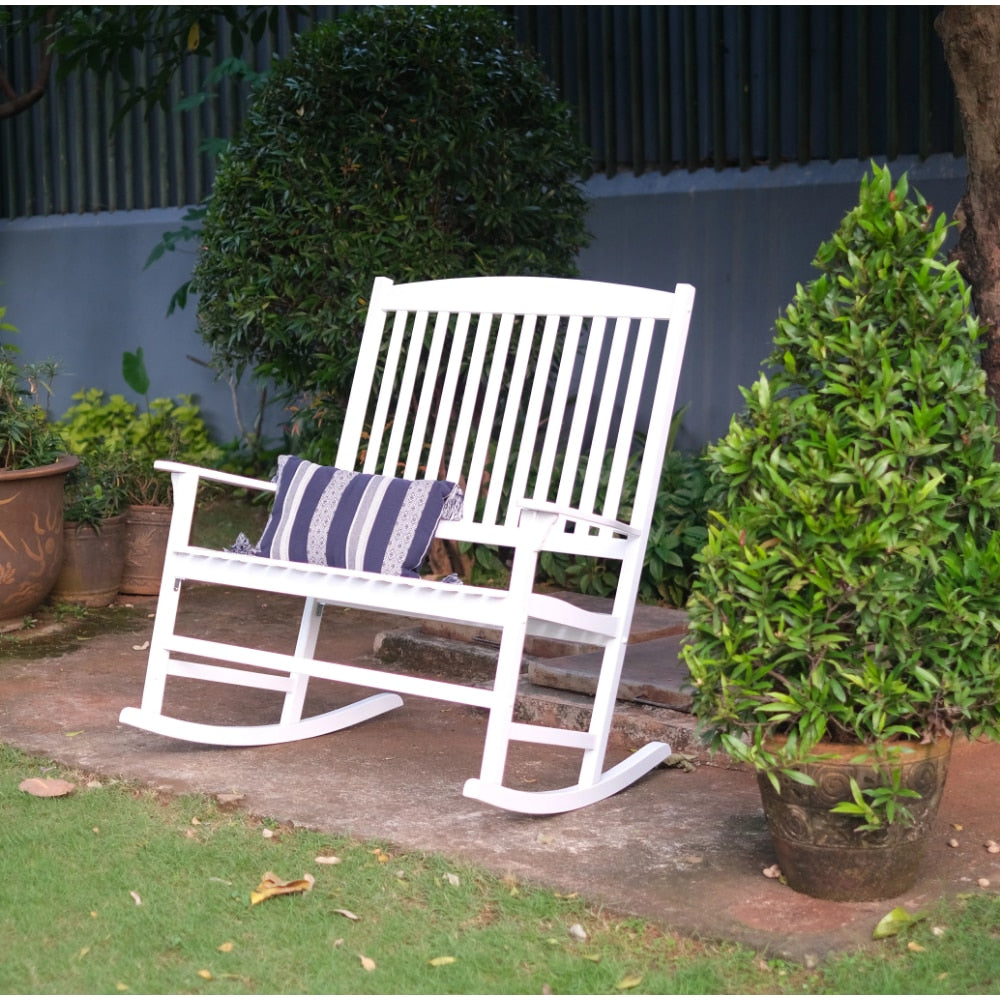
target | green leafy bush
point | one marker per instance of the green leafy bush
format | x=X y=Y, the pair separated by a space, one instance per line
x=414 y=142
x=27 y=439
x=117 y=433
x=847 y=588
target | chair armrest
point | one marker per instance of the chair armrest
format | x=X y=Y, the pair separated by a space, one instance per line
x=216 y=476
x=572 y=514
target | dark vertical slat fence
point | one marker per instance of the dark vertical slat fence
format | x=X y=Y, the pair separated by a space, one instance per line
x=653 y=87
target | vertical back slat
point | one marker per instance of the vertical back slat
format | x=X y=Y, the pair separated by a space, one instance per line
x=404 y=401
x=557 y=410
x=428 y=396
x=436 y=456
x=627 y=421
x=457 y=470
x=612 y=370
x=581 y=411
x=386 y=393
x=511 y=419
x=534 y=412
x=488 y=410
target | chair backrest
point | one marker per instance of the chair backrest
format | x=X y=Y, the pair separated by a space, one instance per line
x=521 y=388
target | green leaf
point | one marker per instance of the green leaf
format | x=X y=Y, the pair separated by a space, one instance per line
x=894 y=922
x=134 y=371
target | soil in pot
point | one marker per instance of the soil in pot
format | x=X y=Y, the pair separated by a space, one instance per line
x=822 y=854
x=93 y=561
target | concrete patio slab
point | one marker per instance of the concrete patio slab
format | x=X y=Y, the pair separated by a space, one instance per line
x=685 y=849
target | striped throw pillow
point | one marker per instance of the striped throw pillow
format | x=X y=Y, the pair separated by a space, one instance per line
x=353 y=520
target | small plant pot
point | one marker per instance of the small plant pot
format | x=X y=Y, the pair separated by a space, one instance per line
x=146 y=530
x=93 y=562
x=31 y=536
x=822 y=854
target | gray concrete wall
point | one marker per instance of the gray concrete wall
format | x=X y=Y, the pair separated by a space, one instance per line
x=743 y=240
x=76 y=288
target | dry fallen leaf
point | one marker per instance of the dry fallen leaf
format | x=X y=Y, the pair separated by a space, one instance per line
x=984 y=883
x=46 y=788
x=452 y=879
x=271 y=885
x=952 y=842
x=628 y=983
x=205 y=974
x=348 y=914
x=366 y=963
x=443 y=960
x=327 y=859
x=992 y=846
x=577 y=931
x=225 y=947
x=380 y=856
x=136 y=898
x=141 y=646
x=913 y=946
x=773 y=872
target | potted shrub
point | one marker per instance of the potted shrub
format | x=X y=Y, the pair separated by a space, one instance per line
x=844 y=608
x=93 y=531
x=165 y=429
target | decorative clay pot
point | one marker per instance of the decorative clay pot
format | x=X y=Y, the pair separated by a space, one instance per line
x=31 y=535
x=93 y=560
x=146 y=530
x=822 y=854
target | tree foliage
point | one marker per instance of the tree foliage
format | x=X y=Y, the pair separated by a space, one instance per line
x=112 y=42
x=414 y=142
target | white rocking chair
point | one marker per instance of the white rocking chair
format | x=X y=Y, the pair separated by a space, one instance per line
x=528 y=392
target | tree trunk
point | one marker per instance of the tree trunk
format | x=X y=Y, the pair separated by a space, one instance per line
x=971 y=39
x=12 y=103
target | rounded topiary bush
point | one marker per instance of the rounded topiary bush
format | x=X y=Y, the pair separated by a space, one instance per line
x=416 y=143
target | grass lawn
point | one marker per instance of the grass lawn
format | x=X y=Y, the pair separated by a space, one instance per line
x=114 y=889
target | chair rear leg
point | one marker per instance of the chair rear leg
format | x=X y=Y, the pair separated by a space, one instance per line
x=501 y=717
x=602 y=715
x=305 y=647
x=157 y=664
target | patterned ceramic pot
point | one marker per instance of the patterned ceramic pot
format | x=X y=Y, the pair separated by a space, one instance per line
x=146 y=530
x=31 y=535
x=822 y=854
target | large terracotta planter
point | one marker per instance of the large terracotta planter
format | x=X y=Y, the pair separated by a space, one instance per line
x=146 y=530
x=31 y=535
x=93 y=561
x=823 y=855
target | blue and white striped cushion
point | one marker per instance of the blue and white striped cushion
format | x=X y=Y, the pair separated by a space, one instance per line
x=352 y=520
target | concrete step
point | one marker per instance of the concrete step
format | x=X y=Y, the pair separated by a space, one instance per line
x=653 y=674
x=653 y=700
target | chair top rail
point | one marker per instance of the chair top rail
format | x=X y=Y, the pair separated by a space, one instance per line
x=537 y=296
